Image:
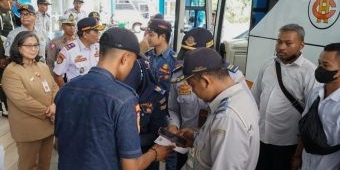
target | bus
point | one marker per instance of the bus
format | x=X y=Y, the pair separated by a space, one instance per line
x=261 y=20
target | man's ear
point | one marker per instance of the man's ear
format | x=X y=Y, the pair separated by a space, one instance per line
x=205 y=79
x=302 y=45
x=124 y=58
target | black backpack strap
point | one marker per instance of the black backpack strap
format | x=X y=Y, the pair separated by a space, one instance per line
x=294 y=102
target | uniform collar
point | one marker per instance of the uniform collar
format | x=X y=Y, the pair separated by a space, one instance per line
x=229 y=92
x=164 y=54
x=335 y=96
x=82 y=46
x=102 y=71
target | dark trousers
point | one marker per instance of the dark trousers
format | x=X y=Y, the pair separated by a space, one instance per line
x=3 y=97
x=274 y=157
x=181 y=160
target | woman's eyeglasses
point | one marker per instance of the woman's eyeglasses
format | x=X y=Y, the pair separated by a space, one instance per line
x=31 y=46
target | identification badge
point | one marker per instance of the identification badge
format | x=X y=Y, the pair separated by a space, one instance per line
x=45 y=85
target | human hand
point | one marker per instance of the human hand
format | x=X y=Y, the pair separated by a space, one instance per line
x=173 y=129
x=296 y=162
x=3 y=62
x=161 y=151
x=50 y=111
x=188 y=134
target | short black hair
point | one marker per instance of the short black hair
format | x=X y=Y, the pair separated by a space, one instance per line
x=17 y=42
x=219 y=73
x=333 y=47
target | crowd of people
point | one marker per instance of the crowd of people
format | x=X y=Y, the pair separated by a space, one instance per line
x=100 y=97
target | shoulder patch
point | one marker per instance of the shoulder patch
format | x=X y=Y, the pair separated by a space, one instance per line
x=7 y=43
x=184 y=89
x=60 y=58
x=52 y=45
x=70 y=46
x=231 y=67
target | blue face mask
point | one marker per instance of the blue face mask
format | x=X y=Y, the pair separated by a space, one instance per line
x=324 y=76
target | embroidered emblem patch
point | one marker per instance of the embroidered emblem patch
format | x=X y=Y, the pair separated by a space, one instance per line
x=60 y=58
x=184 y=89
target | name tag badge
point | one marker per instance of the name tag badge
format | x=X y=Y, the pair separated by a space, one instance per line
x=45 y=85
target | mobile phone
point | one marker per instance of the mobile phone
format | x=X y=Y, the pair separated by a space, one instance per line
x=178 y=140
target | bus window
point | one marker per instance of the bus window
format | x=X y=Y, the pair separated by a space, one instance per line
x=235 y=31
x=194 y=14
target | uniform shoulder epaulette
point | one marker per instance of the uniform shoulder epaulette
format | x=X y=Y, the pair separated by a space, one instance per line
x=160 y=90
x=222 y=107
x=231 y=67
x=70 y=46
x=177 y=68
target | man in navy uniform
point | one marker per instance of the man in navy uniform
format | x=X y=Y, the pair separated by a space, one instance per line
x=161 y=55
x=153 y=104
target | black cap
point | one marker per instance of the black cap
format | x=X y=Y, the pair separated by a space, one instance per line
x=94 y=14
x=159 y=26
x=27 y=7
x=81 y=1
x=158 y=16
x=120 y=38
x=89 y=23
x=196 y=37
x=199 y=60
x=43 y=2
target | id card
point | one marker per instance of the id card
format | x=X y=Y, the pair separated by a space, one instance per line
x=45 y=85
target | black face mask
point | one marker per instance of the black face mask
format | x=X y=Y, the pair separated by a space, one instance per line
x=324 y=76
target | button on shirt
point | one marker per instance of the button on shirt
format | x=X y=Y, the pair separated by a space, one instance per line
x=75 y=59
x=43 y=21
x=96 y=122
x=329 y=109
x=278 y=117
x=41 y=34
x=162 y=66
x=230 y=137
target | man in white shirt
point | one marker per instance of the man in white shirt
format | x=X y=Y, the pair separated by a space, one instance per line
x=328 y=109
x=76 y=10
x=79 y=56
x=27 y=18
x=43 y=18
x=278 y=117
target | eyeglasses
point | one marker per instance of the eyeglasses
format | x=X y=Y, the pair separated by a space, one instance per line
x=27 y=14
x=31 y=46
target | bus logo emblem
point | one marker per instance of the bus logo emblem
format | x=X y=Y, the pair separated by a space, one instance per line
x=323 y=13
